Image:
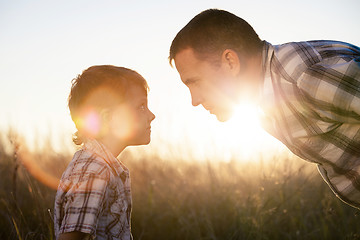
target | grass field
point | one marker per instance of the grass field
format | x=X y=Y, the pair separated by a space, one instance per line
x=180 y=199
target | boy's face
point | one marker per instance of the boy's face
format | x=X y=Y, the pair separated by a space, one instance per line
x=130 y=122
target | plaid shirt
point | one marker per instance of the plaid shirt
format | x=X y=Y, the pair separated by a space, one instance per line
x=94 y=195
x=311 y=103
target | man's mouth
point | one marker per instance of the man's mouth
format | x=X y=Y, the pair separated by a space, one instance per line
x=208 y=109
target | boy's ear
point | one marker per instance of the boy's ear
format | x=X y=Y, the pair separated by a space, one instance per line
x=105 y=115
x=231 y=61
x=105 y=122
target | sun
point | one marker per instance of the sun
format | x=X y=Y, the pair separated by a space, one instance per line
x=245 y=121
x=243 y=134
x=197 y=135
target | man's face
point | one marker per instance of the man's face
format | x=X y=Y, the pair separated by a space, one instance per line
x=214 y=87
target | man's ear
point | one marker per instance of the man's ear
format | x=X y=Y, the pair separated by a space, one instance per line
x=230 y=59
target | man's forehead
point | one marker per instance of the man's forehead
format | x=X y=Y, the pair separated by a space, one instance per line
x=187 y=64
x=186 y=55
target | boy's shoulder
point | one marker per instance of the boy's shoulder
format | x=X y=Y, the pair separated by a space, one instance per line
x=87 y=164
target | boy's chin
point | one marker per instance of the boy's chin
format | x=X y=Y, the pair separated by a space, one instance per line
x=140 y=142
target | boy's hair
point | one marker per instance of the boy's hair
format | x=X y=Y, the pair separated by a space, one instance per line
x=97 y=88
x=212 y=31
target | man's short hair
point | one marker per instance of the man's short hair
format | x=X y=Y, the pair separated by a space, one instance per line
x=212 y=31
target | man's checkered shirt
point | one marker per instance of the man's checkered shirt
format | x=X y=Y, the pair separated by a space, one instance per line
x=311 y=102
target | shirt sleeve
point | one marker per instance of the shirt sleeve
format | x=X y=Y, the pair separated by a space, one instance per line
x=332 y=88
x=83 y=203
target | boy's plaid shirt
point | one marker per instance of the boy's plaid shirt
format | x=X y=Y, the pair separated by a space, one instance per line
x=311 y=102
x=94 y=195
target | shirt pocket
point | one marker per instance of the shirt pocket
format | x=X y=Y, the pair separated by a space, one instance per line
x=119 y=207
x=119 y=221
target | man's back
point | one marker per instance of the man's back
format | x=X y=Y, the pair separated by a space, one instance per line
x=311 y=96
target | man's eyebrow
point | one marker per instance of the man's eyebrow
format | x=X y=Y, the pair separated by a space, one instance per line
x=189 y=81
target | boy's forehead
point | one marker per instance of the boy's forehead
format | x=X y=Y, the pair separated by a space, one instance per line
x=136 y=92
x=103 y=96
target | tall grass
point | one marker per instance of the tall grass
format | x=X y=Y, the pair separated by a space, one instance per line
x=284 y=198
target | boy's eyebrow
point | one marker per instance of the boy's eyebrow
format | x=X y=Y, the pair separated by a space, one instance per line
x=143 y=100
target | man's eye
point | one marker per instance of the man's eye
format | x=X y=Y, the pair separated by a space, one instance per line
x=142 y=107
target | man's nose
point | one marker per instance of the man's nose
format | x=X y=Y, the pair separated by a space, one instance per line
x=195 y=100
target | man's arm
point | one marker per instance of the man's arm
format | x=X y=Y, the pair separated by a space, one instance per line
x=74 y=236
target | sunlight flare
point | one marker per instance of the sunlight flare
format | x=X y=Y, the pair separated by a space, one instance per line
x=243 y=131
x=35 y=170
x=89 y=122
x=241 y=137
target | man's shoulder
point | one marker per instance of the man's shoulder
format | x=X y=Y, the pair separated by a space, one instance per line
x=290 y=60
x=311 y=52
x=297 y=52
x=319 y=44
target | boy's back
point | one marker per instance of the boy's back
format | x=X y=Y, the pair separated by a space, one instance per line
x=94 y=195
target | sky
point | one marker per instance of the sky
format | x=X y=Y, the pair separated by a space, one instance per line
x=45 y=44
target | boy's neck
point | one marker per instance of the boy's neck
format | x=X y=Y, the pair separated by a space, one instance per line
x=113 y=146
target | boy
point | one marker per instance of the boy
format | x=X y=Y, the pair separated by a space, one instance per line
x=108 y=105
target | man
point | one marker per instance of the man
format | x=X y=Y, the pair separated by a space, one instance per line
x=309 y=92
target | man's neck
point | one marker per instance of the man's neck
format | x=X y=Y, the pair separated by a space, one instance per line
x=252 y=79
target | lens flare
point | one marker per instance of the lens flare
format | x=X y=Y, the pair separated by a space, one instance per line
x=33 y=168
x=92 y=122
x=88 y=122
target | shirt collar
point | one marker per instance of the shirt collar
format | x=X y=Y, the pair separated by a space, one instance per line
x=101 y=150
x=267 y=101
x=267 y=54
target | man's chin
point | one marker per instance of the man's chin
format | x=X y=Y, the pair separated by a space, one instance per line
x=223 y=116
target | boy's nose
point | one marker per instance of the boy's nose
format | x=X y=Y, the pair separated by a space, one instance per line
x=152 y=116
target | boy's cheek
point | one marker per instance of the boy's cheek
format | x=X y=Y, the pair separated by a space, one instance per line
x=123 y=123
